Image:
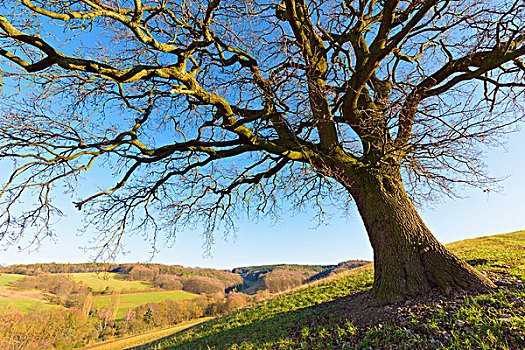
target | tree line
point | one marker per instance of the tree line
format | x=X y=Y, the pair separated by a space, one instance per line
x=148 y=270
x=68 y=328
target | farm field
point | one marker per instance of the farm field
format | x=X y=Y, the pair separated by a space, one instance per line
x=17 y=300
x=24 y=305
x=335 y=314
x=331 y=313
x=98 y=282
x=129 y=301
x=6 y=279
x=143 y=293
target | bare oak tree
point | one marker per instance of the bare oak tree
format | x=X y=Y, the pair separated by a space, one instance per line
x=201 y=109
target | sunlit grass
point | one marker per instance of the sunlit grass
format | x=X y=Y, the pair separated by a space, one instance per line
x=24 y=305
x=502 y=252
x=98 y=282
x=6 y=279
x=129 y=301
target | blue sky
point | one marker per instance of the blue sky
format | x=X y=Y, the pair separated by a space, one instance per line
x=295 y=238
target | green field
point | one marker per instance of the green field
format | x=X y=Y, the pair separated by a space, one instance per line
x=23 y=305
x=315 y=317
x=129 y=301
x=143 y=292
x=13 y=300
x=6 y=279
x=100 y=281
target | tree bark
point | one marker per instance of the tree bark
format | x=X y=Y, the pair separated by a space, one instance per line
x=408 y=260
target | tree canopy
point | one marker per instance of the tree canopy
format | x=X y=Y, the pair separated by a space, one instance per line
x=203 y=109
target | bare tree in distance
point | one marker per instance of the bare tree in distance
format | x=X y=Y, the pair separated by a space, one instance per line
x=202 y=109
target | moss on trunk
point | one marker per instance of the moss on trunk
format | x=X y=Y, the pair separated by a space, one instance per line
x=408 y=260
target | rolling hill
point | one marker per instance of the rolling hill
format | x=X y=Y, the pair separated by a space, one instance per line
x=335 y=313
x=331 y=311
x=133 y=293
x=99 y=281
x=11 y=299
x=131 y=301
x=260 y=278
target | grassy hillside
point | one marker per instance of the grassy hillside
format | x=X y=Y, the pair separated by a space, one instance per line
x=280 y=277
x=24 y=305
x=130 y=301
x=7 y=279
x=116 y=281
x=12 y=300
x=134 y=271
x=335 y=313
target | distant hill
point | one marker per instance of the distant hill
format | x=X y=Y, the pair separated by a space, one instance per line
x=280 y=277
x=330 y=309
x=133 y=272
x=248 y=279
x=39 y=268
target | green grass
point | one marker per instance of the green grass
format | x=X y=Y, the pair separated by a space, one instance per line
x=6 y=279
x=129 y=301
x=23 y=305
x=18 y=301
x=503 y=253
x=313 y=317
x=98 y=282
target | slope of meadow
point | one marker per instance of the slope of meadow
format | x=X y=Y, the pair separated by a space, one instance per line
x=336 y=314
x=7 y=279
x=132 y=293
x=99 y=281
x=11 y=299
x=131 y=301
x=23 y=304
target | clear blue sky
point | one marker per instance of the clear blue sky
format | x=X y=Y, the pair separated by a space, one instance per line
x=296 y=239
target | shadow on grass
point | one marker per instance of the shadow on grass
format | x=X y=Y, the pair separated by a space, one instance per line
x=256 y=328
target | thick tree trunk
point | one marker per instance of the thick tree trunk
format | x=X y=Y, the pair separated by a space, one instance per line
x=408 y=260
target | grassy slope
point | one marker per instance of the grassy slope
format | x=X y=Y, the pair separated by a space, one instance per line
x=11 y=300
x=500 y=253
x=7 y=279
x=24 y=305
x=306 y=319
x=99 y=281
x=128 y=301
